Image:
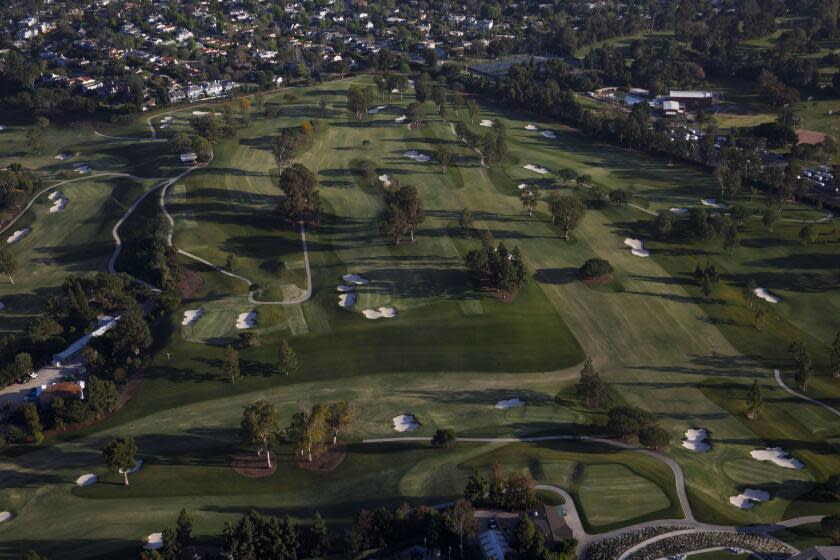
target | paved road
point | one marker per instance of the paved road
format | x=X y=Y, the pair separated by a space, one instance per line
x=13 y=395
x=782 y=384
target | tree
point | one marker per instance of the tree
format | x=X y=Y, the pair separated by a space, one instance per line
x=755 y=401
x=444 y=437
x=590 y=389
x=287 y=361
x=595 y=268
x=620 y=197
x=663 y=225
x=183 y=529
x=202 y=148
x=359 y=99
x=529 y=199
x=33 y=422
x=808 y=234
x=769 y=218
x=476 y=487
x=730 y=236
x=245 y=110
x=120 y=455
x=339 y=418
x=460 y=519
x=260 y=425
x=759 y=315
x=403 y=214
x=654 y=436
x=834 y=358
x=308 y=428
x=444 y=157
x=804 y=364
x=472 y=109
x=830 y=524
x=8 y=263
x=300 y=186
x=466 y=223
x=626 y=421
x=231 y=363
x=566 y=212
x=131 y=334
x=102 y=396
x=519 y=492
x=319 y=537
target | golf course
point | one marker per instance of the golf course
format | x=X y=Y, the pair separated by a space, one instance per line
x=441 y=349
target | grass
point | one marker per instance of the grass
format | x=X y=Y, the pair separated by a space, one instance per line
x=451 y=353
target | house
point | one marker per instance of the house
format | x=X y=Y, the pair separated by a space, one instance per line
x=213 y=89
x=66 y=390
x=189 y=157
x=671 y=108
x=692 y=99
x=177 y=95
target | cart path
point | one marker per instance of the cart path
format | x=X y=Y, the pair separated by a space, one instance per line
x=782 y=384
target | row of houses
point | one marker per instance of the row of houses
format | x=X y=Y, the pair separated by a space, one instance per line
x=205 y=90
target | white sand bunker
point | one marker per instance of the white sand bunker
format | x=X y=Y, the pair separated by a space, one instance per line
x=405 y=423
x=749 y=498
x=355 y=279
x=381 y=313
x=246 y=320
x=2 y=306
x=347 y=300
x=86 y=479
x=401 y=119
x=192 y=315
x=510 y=403
x=486 y=122
x=536 y=168
x=766 y=296
x=679 y=210
x=54 y=195
x=166 y=120
x=377 y=109
x=5 y=516
x=18 y=235
x=138 y=464
x=154 y=541
x=549 y=134
x=63 y=156
x=713 y=203
x=417 y=156
x=695 y=440
x=521 y=186
x=386 y=180
x=59 y=205
x=637 y=247
x=200 y=113
x=530 y=127
x=341 y=288
x=778 y=456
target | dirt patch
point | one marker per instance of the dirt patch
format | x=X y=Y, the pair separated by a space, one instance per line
x=252 y=465
x=597 y=280
x=809 y=136
x=189 y=283
x=327 y=461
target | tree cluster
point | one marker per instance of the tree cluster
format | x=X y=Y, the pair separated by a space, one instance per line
x=497 y=268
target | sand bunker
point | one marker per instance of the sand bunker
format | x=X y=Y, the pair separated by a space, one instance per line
x=154 y=541
x=749 y=498
x=713 y=203
x=778 y=456
x=192 y=315
x=63 y=156
x=637 y=247
x=510 y=403
x=341 y=288
x=200 y=113
x=18 y=235
x=536 y=168
x=166 y=119
x=679 y=210
x=521 y=186
x=355 y=279
x=381 y=313
x=82 y=169
x=766 y=296
x=695 y=440
x=347 y=300
x=246 y=320
x=549 y=134
x=58 y=205
x=417 y=156
x=5 y=516
x=2 y=306
x=138 y=464
x=54 y=195
x=401 y=119
x=86 y=479
x=530 y=127
x=486 y=122
x=377 y=109
x=405 y=423
x=386 y=180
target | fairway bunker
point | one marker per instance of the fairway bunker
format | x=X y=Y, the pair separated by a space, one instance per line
x=63 y=156
x=86 y=479
x=530 y=127
x=381 y=313
x=58 y=205
x=637 y=247
x=417 y=156
x=5 y=516
x=486 y=122
x=386 y=180
x=377 y=109
x=192 y=315
x=246 y=320
x=766 y=296
x=154 y=541
x=749 y=498
x=401 y=119
x=679 y=211
x=138 y=464
x=549 y=134
x=713 y=203
x=777 y=456
x=355 y=279
x=521 y=186
x=695 y=440
x=509 y=403
x=347 y=300
x=536 y=168
x=18 y=235
x=406 y=423
x=341 y=288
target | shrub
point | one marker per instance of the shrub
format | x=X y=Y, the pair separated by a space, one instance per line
x=593 y=268
x=444 y=438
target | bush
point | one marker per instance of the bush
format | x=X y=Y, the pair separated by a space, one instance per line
x=444 y=438
x=654 y=436
x=593 y=268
